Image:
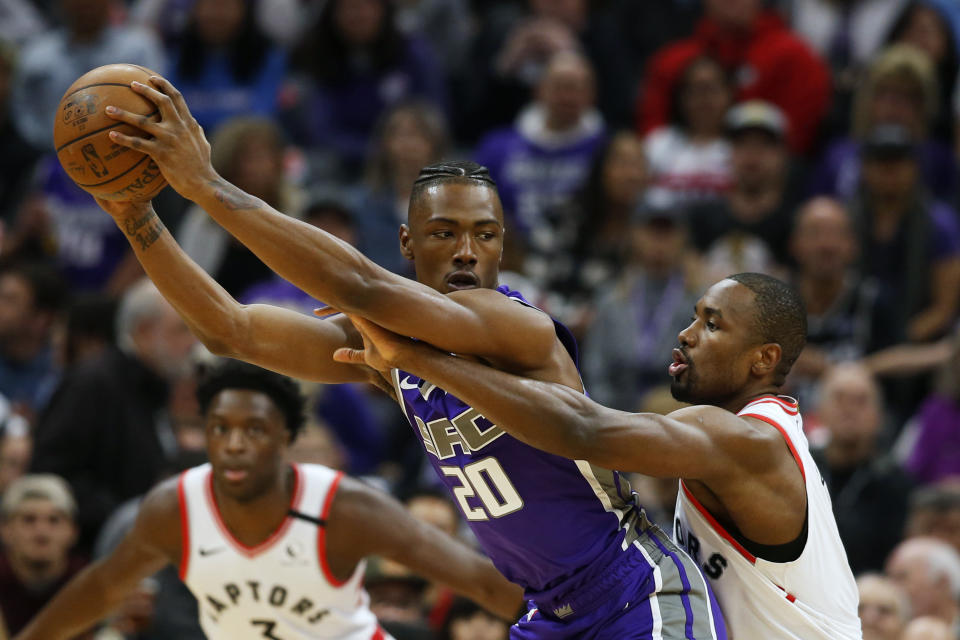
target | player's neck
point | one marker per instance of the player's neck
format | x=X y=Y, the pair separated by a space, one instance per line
x=738 y=402
x=254 y=520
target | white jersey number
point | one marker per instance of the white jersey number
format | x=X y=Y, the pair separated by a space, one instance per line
x=480 y=479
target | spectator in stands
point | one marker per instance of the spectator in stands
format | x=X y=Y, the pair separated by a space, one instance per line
x=105 y=430
x=17 y=157
x=61 y=222
x=544 y=158
x=933 y=26
x=357 y=64
x=754 y=46
x=469 y=621
x=900 y=88
x=749 y=229
x=516 y=43
x=446 y=24
x=38 y=530
x=638 y=315
x=690 y=157
x=844 y=316
x=87 y=330
x=909 y=243
x=869 y=492
x=247 y=151
x=884 y=609
x=935 y=512
x=224 y=65
x=409 y=137
x=935 y=454
x=928 y=570
x=50 y=63
x=31 y=294
x=585 y=241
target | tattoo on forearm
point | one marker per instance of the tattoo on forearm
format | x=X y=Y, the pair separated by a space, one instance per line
x=146 y=229
x=233 y=198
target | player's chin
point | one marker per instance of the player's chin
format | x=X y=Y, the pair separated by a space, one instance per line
x=680 y=390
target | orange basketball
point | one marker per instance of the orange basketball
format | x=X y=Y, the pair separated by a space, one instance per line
x=81 y=135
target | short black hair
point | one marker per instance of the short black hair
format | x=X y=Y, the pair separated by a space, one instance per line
x=462 y=171
x=234 y=374
x=46 y=284
x=779 y=317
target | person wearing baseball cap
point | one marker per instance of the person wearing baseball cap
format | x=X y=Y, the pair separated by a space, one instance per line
x=758 y=208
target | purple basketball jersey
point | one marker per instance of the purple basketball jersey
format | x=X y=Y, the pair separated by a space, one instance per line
x=546 y=522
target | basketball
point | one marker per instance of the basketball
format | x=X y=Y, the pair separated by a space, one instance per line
x=81 y=135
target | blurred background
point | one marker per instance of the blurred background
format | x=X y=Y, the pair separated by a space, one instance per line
x=643 y=149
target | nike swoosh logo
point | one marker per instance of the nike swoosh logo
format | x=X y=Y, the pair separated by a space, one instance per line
x=404 y=384
x=210 y=552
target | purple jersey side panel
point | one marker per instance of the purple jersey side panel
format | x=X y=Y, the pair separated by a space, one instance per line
x=545 y=521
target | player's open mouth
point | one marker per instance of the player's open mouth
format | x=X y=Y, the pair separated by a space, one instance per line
x=679 y=364
x=462 y=280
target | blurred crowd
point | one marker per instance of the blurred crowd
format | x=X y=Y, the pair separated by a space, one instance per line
x=642 y=149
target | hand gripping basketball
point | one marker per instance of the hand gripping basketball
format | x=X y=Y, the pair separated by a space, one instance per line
x=177 y=143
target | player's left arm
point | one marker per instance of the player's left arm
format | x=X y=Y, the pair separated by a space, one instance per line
x=363 y=522
x=326 y=267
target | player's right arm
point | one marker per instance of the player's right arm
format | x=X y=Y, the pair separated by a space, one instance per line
x=364 y=522
x=271 y=337
x=99 y=589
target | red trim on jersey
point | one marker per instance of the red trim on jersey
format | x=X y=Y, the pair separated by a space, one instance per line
x=378 y=635
x=716 y=525
x=276 y=535
x=322 y=534
x=790 y=596
x=788 y=404
x=783 y=432
x=184 y=528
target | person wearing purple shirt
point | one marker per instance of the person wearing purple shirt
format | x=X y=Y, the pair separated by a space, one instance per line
x=356 y=64
x=546 y=156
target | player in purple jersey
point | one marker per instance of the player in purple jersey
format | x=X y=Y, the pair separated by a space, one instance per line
x=570 y=533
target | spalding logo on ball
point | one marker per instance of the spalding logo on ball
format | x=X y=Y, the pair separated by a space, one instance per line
x=81 y=135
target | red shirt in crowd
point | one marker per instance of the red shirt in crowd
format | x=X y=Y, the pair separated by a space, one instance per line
x=767 y=61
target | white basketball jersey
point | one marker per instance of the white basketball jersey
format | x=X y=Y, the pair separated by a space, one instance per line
x=813 y=597
x=283 y=587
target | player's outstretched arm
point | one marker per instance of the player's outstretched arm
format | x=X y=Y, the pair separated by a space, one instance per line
x=700 y=442
x=96 y=592
x=323 y=265
x=365 y=522
x=271 y=337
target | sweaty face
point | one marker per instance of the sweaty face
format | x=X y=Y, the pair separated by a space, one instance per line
x=39 y=533
x=455 y=236
x=716 y=353
x=246 y=442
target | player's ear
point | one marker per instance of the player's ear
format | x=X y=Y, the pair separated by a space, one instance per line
x=767 y=358
x=405 y=247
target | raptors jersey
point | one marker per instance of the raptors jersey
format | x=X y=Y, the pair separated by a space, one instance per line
x=282 y=588
x=810 y=598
